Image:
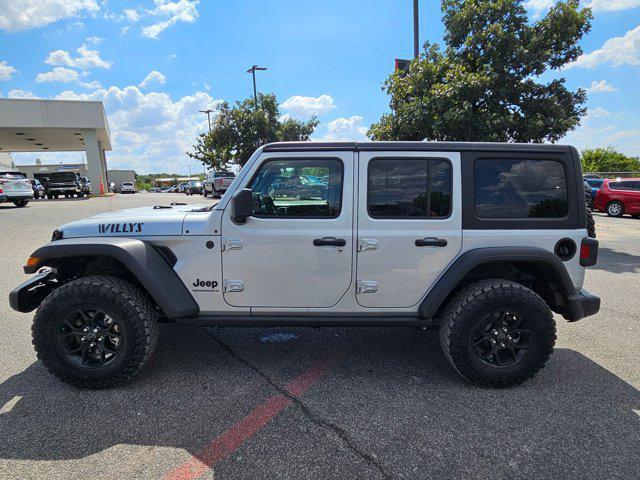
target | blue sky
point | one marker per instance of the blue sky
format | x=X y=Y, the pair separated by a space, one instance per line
x=155 y=63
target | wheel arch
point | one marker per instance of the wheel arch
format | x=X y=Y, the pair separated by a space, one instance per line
x=533 y=267
x=148 y=267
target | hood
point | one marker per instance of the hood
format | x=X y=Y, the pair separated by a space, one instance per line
x=133 y=222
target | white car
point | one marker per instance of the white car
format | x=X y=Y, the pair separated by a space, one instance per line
x=482 y=240
x=127 y=187
x=16 y=188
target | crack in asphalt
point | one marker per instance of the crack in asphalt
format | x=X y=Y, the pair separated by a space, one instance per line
x=311 y=416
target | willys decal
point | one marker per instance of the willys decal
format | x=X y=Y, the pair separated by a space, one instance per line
x=120 y=227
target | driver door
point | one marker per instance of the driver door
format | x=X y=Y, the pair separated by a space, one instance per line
x=296 y=251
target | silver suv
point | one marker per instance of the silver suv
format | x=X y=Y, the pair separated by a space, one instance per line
x=217 y=183
x=483 y=241
x=16 y=188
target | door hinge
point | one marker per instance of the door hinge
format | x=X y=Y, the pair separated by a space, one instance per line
x=368 y=244
x=233 y=286
x=366 y=286
x=231 y=244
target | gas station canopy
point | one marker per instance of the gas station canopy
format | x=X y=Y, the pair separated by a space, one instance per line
x=28 y=125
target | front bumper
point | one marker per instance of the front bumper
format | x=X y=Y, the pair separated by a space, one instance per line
x=30 y=294
x=582 y=304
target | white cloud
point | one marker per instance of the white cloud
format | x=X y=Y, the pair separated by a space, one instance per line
x=6 y=71
x=613 y=5
x=345 y=129
x=17 y=93
x=600 y=87
x=299 y=106
x=150 y=132
x=131 y=14
x=153 y=77
x=173 y=12
x=616 y=51
x=93 y=85
x=86 y=59
x=58 y=74
x=95 y=40
x=597 y=112
x=538 y=7
x=18 y=15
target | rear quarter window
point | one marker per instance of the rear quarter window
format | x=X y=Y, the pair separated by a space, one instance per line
x=520 y=188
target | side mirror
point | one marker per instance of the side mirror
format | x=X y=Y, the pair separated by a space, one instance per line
x=242 y=205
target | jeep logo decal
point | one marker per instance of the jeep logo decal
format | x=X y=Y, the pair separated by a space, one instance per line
x=120 y=227
x=205 y=285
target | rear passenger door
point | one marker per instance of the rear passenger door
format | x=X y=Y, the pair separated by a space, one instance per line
x=409 y=225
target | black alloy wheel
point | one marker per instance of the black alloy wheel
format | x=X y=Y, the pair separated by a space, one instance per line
x=502 y=338
x=89 y=338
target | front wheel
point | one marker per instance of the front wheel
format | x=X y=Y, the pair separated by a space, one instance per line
x=497 y=333
x=95 y=332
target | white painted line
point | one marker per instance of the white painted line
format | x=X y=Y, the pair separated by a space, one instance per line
x=7 y=407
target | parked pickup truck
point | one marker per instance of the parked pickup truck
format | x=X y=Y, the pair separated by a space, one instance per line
x=61 y=183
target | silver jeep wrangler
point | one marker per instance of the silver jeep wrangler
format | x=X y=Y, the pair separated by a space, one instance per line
x=483 y=241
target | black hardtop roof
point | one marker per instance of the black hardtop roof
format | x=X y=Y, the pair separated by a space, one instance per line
x=416 y=146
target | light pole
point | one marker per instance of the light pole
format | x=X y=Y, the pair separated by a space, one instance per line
x=252 y=70
x=416 y=30
x=208 y=112
x=189 y=169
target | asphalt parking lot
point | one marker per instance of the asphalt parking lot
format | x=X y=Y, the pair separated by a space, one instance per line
x=323 y=403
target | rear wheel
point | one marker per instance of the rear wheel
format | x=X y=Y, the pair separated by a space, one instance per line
x=615 y=209
x=497 y=333
x=204 y=192
x=21 y=203
x=95 y=332
x=591 y=224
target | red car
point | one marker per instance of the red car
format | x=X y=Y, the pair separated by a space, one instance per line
x=620 y=196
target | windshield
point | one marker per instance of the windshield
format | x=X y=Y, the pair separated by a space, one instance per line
x=62 y=177
x=12 y=176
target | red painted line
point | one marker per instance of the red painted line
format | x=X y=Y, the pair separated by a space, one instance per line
x=229 y=441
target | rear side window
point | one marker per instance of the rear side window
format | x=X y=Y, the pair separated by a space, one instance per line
x=409 y=188
x=625 y=185
x=508 y=188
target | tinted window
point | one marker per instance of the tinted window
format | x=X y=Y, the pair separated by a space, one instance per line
x=223 y=174
x=595 y=182
x=624 y=185
x=409 y=188
x=520 y=189
x=298 y=188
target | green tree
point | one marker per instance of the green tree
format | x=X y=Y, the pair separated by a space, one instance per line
x=237 y=131
x=608 y=160
x=484 y=84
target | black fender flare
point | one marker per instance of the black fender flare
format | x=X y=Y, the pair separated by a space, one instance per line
x=466 y=262
x=144 y=262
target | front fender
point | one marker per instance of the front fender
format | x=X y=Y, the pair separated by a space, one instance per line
x=144 y=262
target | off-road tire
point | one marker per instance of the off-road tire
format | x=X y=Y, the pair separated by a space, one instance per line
x=475 y=302
x=21 y=203
x=591 y=224
x=121 y=300
x=204 y=192
x=617 y=213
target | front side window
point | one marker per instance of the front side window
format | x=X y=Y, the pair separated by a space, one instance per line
x=409 y=188
x=298 y=188
x=520 y=189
